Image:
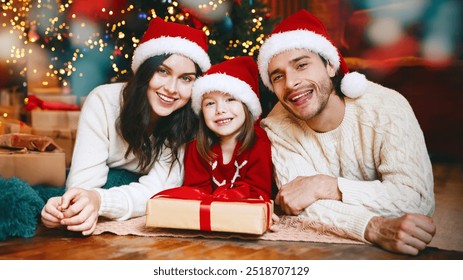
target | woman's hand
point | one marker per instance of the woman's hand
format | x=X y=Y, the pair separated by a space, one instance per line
x=51 y=215
x=80 y=210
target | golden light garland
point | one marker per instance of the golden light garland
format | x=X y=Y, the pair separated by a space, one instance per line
x=19 y=21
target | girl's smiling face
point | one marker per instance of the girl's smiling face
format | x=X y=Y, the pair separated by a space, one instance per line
x=223 y=114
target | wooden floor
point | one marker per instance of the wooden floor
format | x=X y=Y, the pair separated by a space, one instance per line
x=58 y=244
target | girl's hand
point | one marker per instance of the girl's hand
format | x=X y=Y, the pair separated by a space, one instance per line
x=275 y=219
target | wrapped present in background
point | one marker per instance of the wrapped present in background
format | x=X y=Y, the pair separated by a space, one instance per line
x=65 y=138
x=61 y=98
x=10 y=111
x=49 y=114
x=11 y=102
x=34 y=159
x=45 y=119
x=8 y=125
x=29 y=142
x=40 y=90
x=239 y=209
x=36 y=168
x=52 y=103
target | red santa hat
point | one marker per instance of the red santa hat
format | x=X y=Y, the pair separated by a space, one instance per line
x=303 y=30
x=237 y=77
x=167 y=37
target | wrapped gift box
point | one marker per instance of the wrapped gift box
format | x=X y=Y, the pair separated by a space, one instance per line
x=19 y=141
x=11 y=112
x=45 y=119
x=65 y=98
x=252 y=216
x=65 y=138
x=13 y=126
x=47 y=168
x=45 y=90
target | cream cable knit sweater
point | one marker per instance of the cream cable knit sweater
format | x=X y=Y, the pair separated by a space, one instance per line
x=99 y=147
x=378 y=154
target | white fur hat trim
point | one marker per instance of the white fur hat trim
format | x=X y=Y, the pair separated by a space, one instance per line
x=297 y=39
x=228 y=84
x=165 y=45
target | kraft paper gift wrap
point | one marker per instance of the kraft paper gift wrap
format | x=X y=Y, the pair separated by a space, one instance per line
x=233 y=210
x=65 y=138
x=44 y=168
x=47 y=119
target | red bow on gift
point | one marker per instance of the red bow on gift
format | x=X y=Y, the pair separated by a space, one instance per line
x=34 y=102
x=241 y=193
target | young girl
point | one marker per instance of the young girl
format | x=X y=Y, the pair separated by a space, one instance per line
x=230 y=149
x=141 y=126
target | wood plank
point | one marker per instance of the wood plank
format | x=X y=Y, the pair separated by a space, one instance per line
x=57 y=245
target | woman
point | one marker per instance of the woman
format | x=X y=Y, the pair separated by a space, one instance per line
x=140 y=126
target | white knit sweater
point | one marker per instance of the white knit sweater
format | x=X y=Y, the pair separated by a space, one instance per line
x=99 y=147
x=378 y=154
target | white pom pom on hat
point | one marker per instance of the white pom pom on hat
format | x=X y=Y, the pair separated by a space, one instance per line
x=303 y=30
x=354 y=84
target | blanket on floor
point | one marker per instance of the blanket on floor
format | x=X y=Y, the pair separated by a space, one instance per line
x=289 y=228
x=21 y=203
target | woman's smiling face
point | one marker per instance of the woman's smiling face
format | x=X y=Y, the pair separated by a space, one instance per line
x=170 y=87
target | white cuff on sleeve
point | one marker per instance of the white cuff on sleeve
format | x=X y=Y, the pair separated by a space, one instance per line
x=113 y=204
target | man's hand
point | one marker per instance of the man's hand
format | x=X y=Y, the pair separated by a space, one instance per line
x=408 y=234
x=301 y=192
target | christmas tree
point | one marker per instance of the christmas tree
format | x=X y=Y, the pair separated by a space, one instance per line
x=233 y=27
x=84 y=43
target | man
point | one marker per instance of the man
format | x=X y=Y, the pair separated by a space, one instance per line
x=347 y=151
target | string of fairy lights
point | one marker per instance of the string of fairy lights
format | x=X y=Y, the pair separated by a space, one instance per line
x=28 y=19
x=48 y=24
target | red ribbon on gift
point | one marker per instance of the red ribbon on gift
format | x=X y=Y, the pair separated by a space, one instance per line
x=241 y=193
x=34 y=102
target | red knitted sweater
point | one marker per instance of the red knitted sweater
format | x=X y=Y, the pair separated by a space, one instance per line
x=252 y=167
